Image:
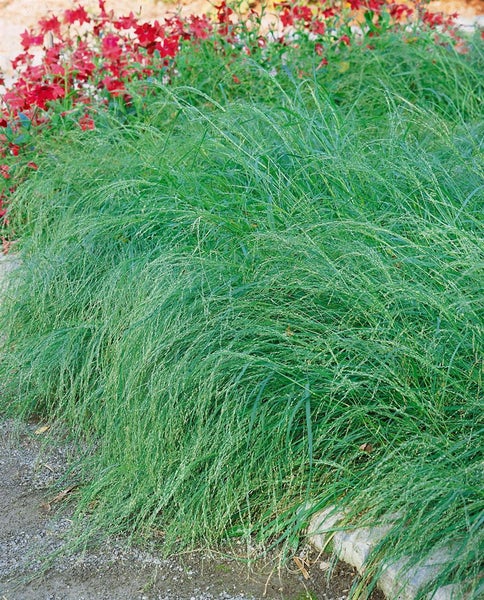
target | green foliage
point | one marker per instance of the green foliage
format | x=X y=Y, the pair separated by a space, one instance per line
x=229 y=296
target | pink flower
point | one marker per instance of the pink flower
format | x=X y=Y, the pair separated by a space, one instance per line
x=77 y=14
x=29 y=39
x=50 y=25
x=110 y=47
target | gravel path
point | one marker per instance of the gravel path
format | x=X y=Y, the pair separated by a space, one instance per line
x=28 y=533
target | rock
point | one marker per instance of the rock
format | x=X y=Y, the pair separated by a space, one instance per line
x=398 y=581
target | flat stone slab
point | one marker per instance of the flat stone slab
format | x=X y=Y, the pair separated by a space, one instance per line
x=397 y=581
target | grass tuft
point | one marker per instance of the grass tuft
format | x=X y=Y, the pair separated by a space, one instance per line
x=229 y=299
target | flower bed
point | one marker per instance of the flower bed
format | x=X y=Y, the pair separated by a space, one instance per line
x=89 y=60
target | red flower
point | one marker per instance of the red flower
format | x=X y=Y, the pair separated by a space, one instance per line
x=82 y=62
x=113 y=86
x=22 y=59
x=53 y=25
x=15 y=99
x=148 y=33
x=302 y=13
x=436 y=19
x=43 y=93
x=168 y=47
x=223 y=12
x=102 y=8
x=29 y=39
x=86 y=122
x=14 y=149
x=4 y=171
x=32 y=165
x=355 y=4
x=200 y=27
x=52 y=55
x=177 y=26
x=345 y=39
x=374 y=5
x=398 y=11
x=318 y=27
x=77 y=14
x=286 y=18
x=110 y=47
x=129 y=22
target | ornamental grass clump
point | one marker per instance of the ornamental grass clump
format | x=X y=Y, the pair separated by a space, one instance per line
x=248 y=308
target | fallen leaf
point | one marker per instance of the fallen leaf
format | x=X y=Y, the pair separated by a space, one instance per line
x=366 y=447
x=61 y=495
x=42 y=429
x=301 y=565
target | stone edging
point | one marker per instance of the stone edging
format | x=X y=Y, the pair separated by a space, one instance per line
x=354 y=547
